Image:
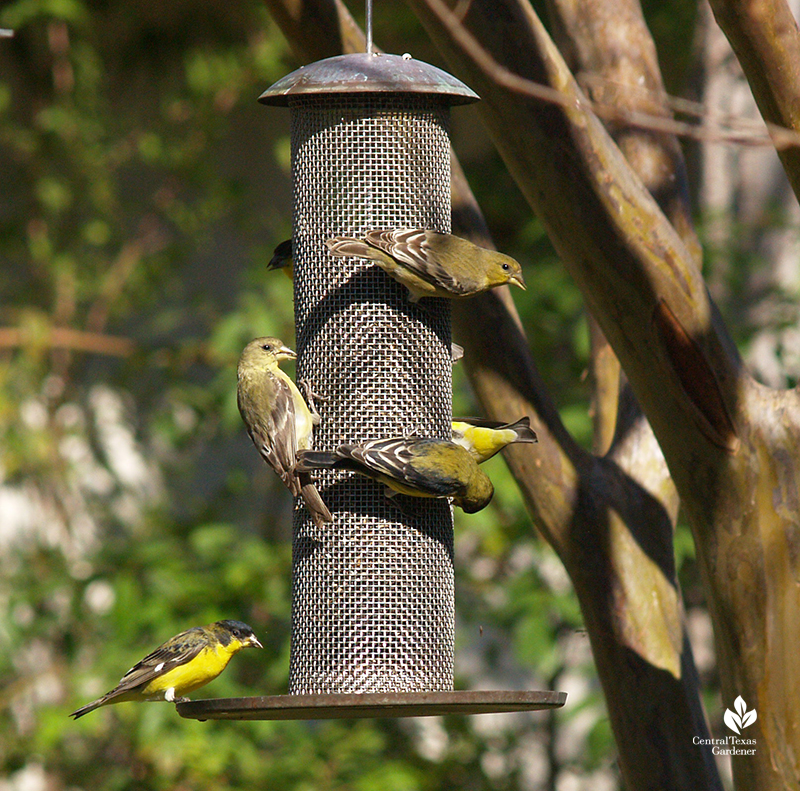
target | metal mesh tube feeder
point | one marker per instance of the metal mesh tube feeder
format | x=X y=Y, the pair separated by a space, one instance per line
x=372 y=593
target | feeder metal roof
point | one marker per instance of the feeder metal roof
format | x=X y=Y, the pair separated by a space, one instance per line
x=365 y=73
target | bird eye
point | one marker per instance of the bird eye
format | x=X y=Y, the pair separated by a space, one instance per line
x=267 y=347
x=506 y=267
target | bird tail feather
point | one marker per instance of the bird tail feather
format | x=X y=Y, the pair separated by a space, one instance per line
x=95 y=704
x=308 y=460
x=314 y=502
x=342 y=246
x=523 y=429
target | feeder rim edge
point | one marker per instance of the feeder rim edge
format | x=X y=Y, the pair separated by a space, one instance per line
x=363 y=73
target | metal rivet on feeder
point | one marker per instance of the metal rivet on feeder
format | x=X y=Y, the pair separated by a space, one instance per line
x=373 y=592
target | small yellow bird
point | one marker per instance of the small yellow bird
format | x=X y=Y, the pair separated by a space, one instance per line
x=420 y=467
x=484 y=438
x=184 y=663
x=431 y=264
x=277 y=417
x=283 y=258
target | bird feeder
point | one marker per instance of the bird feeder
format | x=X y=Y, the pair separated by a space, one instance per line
x=372 y=593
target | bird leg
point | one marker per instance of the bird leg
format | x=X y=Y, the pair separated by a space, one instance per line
x=310 y=395
x=406 y=510
x=169 y=696
x=412 y=300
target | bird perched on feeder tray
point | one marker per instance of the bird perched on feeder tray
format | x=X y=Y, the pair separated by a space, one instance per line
x=420 y=467
x=283 y=258
x=277 y=417
x=484 y=438
x=431 y=264
x=184 y=663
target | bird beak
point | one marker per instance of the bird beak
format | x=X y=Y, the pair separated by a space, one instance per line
x=517 y=279
x=290 y=354
x=252 y=642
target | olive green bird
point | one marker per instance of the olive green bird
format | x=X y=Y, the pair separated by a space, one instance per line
x=431 y=264
x=184 y=663
x=283 y=260
x=420 y=467
x=278 y=419
x=484 y=438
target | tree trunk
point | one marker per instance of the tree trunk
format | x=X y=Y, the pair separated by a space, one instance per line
x=731 y=445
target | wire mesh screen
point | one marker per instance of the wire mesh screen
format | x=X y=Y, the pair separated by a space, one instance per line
x=372 y=593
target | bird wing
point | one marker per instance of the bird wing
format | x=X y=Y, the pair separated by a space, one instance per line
x=412 y=248
x=403 y=460
x=273 y=430
x=176 y=651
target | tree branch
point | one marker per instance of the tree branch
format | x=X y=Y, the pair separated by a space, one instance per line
x=765 y=38
x=69 y=339
x=611 y=53
x=317 y=29
x=611 y=235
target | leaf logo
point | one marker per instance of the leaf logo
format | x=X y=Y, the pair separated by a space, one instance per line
x=741 y=718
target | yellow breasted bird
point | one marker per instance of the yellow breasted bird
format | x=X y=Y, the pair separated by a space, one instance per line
x=431 y=264
x=483 y=438
x=283 y=258
x=420 y=467
x=184 y=663
x=277 y=418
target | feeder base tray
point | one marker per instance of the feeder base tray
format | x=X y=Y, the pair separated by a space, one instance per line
x=372 y=704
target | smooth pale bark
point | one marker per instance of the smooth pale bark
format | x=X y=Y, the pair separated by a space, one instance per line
x=317 y=29
x=731 y=445
x=609 y=49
